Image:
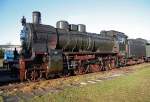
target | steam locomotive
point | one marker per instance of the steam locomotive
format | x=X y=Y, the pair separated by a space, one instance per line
x=69 y=50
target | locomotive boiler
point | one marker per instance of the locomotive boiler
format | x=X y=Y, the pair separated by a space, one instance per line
x=66 y=49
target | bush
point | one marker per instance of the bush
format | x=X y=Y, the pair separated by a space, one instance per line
x=1 y=53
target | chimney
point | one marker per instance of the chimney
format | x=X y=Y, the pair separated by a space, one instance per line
x=36 y=17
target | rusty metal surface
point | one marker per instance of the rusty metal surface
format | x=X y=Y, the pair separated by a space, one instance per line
x=148 y=50
x=22 y=69
x=55 y=63
x=136 y=48
x=76 y=41
x=86 y=53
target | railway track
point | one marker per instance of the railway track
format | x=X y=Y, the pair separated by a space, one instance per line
x=29 y=90
x=60 y=81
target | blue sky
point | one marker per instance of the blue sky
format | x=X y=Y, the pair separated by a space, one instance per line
x=129 y=16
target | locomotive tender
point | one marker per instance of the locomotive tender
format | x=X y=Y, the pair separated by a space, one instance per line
x=68 y=49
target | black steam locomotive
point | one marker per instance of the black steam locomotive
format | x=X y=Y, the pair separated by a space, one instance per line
x=69 y=50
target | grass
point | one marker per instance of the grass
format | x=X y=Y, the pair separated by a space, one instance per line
x=1 y=99
x=134 y=87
